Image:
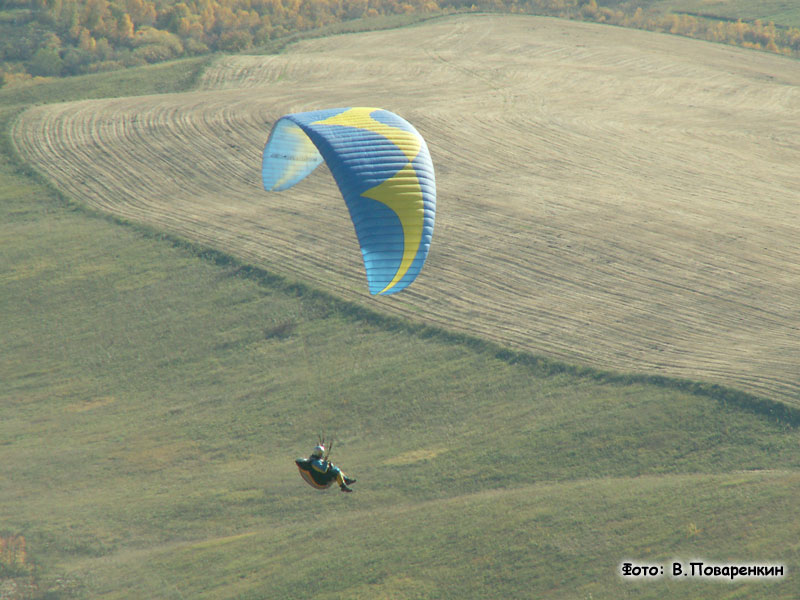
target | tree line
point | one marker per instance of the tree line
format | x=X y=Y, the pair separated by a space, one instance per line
x=50 y=38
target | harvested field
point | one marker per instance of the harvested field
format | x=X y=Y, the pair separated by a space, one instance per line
x=609 y=197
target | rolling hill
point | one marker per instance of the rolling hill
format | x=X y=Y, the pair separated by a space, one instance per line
x=614 y=198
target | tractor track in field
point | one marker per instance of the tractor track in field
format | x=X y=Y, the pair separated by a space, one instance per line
x=617 y=198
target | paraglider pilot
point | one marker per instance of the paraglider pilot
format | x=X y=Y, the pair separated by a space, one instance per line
x=320 y=473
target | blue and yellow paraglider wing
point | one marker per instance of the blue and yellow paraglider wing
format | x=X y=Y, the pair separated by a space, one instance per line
x=289 y=156
x=384 y=172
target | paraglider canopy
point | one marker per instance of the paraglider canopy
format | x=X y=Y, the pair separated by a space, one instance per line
x=384 y=172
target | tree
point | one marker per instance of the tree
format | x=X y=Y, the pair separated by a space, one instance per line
x=125 y=28
x=46 y=62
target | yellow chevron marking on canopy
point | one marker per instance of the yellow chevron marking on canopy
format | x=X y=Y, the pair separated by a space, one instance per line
x=403 y=194
x=361 y=118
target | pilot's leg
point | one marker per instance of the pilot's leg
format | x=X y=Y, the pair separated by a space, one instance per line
x=342 y=480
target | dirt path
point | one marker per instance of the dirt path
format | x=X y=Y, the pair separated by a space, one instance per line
x=616 y=198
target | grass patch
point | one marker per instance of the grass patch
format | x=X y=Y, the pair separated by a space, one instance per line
x=780 y=12
x=161 y=78
x=377 y=23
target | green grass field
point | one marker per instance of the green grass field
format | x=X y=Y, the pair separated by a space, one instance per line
x=153 y=399
x=781 y=12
